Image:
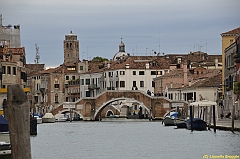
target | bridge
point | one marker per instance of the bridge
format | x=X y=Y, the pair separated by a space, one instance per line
x=94 y=108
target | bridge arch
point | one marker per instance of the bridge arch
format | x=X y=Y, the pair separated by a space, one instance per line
x=68 y=110
x=104 y=105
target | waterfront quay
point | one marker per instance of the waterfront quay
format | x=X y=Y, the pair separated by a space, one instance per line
x=226 y=124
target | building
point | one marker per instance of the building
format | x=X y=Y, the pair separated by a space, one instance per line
x=227 y=39
x=12 y=61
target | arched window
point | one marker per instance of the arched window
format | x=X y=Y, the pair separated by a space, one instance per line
x=56 y=98
x=67 y=45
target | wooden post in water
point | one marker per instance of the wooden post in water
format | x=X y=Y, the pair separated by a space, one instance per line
x=206 y=113
x=198 y=111
x=18 y=122
x=214 y=119
x=191 y=117
x=203 y=113
x=210 y=118
x=233 y=114
x=70 y=115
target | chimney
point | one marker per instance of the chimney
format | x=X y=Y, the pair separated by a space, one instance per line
x=189 y=83
x=147 y=65
x=108 y=65
x=216 y=62
x=185 y=73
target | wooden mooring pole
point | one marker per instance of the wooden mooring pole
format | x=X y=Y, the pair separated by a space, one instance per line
x=191 y=117
x=18 y=116
x=214 y=119
x=233 y=115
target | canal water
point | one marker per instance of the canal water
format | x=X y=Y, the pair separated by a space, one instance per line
x=129 y=140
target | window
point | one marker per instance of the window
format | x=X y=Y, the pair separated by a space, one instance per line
x=87 y=93
x=141 y=83
x=82 y=81
x=122 y=72
x=67 y=77
x=9 y=70
x=134 y=83
x=73 y=77
x=56 y=85
x=3 y=69
x=153 y=72
x=56 y=98
x=14 y=71
x=87 y=81
x=122 y=83
x=141 y=72
x=81 y=67
x=134 y=72
x=153 y=84
x=66 y=99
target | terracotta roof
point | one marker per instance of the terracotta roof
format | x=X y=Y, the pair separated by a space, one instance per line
x=206 y=81
x=232 y=32
x=17 y=51
x=32 y=69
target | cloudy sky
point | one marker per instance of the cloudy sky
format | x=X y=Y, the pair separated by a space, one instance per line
x=172 y=26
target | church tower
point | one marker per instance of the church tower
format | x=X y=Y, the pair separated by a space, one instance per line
x=71 y=48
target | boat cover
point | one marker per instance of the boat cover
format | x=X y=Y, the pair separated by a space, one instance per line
x=3 y=124
x=48 y=115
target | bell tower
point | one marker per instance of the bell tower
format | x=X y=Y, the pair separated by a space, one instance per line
x=71 y=48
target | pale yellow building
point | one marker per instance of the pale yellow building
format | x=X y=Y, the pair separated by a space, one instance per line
x=227 y=39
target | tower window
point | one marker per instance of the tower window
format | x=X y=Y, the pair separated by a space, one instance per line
x=67 y=45
x=70 y=45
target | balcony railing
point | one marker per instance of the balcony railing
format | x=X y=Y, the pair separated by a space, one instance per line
x=94 y=86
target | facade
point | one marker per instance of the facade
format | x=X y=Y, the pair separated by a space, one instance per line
x=229 y=78
x=227 y=39
x=10 y=33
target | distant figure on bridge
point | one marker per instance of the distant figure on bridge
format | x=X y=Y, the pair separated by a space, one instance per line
x=148 y=92
x=152 y=94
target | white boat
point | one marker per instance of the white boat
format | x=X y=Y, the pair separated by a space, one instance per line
x=60 y=118
x=39 y=119
x=5 y=149
x=48 y=118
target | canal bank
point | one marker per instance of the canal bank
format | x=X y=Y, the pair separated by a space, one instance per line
x=226 y=124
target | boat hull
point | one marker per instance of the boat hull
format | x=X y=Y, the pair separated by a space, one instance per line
x=168 y=121
x=198 y=124
x=4 y=136
x=48 y=120
x=61 y=119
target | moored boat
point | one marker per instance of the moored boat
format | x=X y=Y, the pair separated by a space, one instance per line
x=39 y=119
x=60 y=118
x=48 y=118
x=5 y=149
x=169 y=119
x=198 y=124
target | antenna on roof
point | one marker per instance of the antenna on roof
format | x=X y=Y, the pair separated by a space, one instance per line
x=37 y=54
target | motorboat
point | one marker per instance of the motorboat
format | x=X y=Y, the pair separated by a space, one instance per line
x=198 y=124
x=39 y=119
x=48 y=118
x=4 y=131
x=60 y=118
x=181 y=124
x=169 y=119
x=5 y=148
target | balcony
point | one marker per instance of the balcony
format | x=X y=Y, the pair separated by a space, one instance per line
x=94 y=86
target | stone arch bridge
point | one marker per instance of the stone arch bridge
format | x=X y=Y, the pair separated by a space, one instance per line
x=90 y=108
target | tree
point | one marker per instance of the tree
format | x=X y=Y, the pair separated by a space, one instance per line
x=100 y=59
